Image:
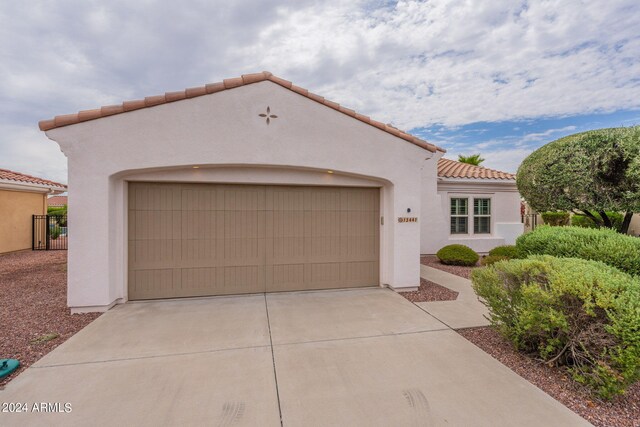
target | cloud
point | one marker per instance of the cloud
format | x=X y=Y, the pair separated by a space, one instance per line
x=411 y=63
x=25 y=150
x=546 y=134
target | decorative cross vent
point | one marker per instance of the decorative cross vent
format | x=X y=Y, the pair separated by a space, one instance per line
x=268 y=115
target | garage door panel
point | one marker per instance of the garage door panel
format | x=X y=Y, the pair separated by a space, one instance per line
x=203 y=239
x=155 y=197
x=147 y=225
x=150 y=254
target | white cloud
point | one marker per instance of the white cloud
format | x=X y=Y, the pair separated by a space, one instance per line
x=546 y=134
x=25 y=149
x=412 y=63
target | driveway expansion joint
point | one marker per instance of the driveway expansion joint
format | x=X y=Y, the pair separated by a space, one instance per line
x=159 y=356
x=273 y=358
x=392 y=334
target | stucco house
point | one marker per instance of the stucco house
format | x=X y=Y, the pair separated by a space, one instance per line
x=254 y=184
x=22 y=196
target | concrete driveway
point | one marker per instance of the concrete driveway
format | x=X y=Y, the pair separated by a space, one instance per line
x=329 y=358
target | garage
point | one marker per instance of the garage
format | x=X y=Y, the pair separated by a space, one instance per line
x=188 y=239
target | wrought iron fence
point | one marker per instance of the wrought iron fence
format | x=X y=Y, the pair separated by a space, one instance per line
x=49 y=232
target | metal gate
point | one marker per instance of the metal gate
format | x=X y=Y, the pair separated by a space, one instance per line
x=49 y=232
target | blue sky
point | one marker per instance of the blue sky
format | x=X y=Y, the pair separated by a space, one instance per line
x=495 y=139
x=498 y=77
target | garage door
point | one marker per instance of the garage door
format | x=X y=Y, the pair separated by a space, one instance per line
x=202 y=239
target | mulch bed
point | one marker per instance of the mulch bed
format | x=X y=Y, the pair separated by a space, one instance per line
x=33 y=304
x=623 y=411
x=429 y=291
x=433 y=261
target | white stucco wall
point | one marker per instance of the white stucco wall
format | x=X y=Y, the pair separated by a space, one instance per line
x=506 y=223
x=223 y=134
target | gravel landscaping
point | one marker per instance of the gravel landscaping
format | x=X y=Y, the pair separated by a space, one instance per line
x=33 y=306
x=429 y=291
x=433 y=261
x=623 y=411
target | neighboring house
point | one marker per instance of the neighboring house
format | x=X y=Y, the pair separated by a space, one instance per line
x=480 y=208
x=634 y=227
x=22 y=196
x=254 y=184
x=57 y=201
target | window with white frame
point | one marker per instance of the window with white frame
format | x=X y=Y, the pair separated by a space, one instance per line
x=459 y=216
x=481 y=216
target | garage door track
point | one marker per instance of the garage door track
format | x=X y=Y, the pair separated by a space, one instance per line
x=328 y=358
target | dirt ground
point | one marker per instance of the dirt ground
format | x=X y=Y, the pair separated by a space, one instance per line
x=34 y=317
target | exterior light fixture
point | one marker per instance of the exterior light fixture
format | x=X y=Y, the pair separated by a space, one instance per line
x=196 y=167
x=329 y=171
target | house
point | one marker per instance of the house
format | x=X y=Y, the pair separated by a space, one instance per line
x=255 y=184
x=22 y=196
x=57 y=201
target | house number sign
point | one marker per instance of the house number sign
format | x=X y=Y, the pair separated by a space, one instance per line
x=407 y=219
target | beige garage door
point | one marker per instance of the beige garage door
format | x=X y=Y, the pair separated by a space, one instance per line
x=203 y=239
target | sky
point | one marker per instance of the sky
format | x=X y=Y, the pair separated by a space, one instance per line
x=499 y=78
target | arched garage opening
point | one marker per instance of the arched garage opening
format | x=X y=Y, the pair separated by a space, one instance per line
x=233 y=229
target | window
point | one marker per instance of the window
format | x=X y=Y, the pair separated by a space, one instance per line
x=459 y=216
x=481 y=216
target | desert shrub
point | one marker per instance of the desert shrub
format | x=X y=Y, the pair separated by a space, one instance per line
x=615 y=249
x=586 y=222
x=555 y=218
x=458 y=255
x=508 y=251
x=570 y=312
x=491 y=259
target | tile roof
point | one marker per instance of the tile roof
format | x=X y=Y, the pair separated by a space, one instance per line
x=246 y=79
x=57 y=201
x=8 y=175
x=452 y=169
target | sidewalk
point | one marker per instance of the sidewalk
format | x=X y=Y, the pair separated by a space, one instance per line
x=465 y=312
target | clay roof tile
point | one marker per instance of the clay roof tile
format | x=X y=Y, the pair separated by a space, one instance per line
x=9 y=175
x=133 y=105
x=175 y=96
x=192 y=92
x=231 y=83
x=451 y=169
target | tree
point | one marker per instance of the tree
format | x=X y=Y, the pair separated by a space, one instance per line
x=473 y=159
x=588 y=173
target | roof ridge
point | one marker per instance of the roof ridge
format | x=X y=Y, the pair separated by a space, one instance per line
x=208 y=89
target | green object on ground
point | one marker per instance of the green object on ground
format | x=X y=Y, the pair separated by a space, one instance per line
x=7 y=366
x=458 y=255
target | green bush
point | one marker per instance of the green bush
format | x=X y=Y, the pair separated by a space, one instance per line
x=570 y=312
x=556 y=218
x=55 y=232
x=492 y=259
x=586 y=222
x=458 y=255
x=615 y=249
x=508 y=251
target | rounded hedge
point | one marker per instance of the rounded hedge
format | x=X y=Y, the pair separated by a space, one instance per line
x=615 y=249
x=570 y=312
x=458 y=255
x=509 y=251
x=492 y=259
x=556 y=218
